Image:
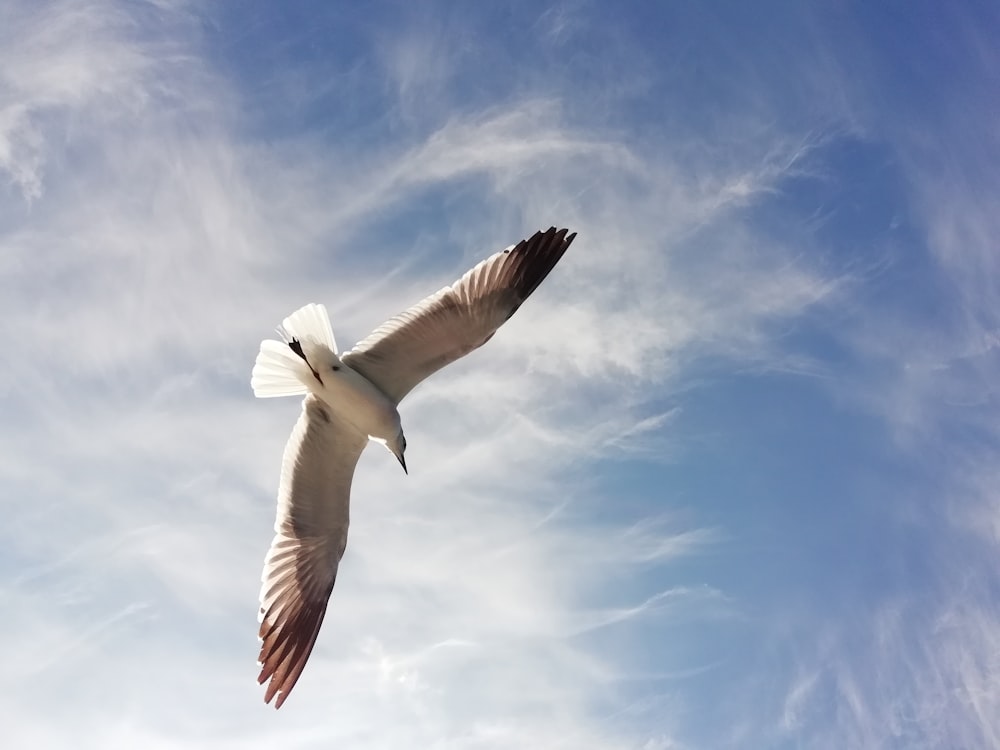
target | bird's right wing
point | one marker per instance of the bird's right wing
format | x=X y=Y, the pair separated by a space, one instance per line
x=457 y=319
x=311 y=535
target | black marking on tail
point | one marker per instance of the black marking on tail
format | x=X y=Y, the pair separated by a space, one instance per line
x=296 y=347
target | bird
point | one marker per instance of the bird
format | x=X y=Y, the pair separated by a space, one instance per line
x=351 y=399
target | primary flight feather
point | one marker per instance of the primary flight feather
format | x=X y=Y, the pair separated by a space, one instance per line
x=350 y=400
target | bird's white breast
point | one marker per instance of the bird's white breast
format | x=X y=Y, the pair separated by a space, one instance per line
x=352 y=396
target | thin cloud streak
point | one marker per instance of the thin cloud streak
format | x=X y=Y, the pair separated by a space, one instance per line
x=918 y=668
x=140 y=453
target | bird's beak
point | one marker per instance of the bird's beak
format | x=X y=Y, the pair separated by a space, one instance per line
x=402 y=462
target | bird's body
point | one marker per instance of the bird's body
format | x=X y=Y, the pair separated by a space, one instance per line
x=307 y=362
x=350 y=400
x=351 y=396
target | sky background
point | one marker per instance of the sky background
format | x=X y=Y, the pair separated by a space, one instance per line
x=728 y=480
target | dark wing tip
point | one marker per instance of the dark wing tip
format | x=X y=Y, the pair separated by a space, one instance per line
x=288 y=637
x=533 y=259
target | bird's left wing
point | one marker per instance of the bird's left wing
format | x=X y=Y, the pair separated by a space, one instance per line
x=457 y=319
x=311 y=535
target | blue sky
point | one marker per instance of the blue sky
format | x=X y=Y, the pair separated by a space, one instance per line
x=728 y=480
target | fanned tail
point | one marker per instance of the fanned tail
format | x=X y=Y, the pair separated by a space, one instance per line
x=310 y=323
x=281 y=371
x=278 y=371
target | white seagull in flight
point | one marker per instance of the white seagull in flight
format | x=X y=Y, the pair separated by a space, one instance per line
x=350 y=400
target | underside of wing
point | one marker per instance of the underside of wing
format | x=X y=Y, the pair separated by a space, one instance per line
x=311 y=535
x=457 y=319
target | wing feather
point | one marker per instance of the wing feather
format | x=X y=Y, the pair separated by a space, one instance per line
x=457 y=319
x=311 y=535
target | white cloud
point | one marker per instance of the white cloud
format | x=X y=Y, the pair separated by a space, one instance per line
x=913 y=673
x=917 y=666
x=163 y=242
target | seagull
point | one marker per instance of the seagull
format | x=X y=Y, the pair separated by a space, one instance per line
x=352 y=399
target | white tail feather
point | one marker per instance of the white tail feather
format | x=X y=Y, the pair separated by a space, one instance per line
x=311 y=323
x=278 y=371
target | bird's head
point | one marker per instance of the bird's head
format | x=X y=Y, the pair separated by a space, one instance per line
x=398 y=448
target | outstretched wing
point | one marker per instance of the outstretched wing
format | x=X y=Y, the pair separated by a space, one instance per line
x=457 y=319
x=311 y=535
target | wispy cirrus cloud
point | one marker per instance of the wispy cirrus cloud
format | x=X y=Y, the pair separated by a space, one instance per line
x=915 y=666
x=502 y=594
